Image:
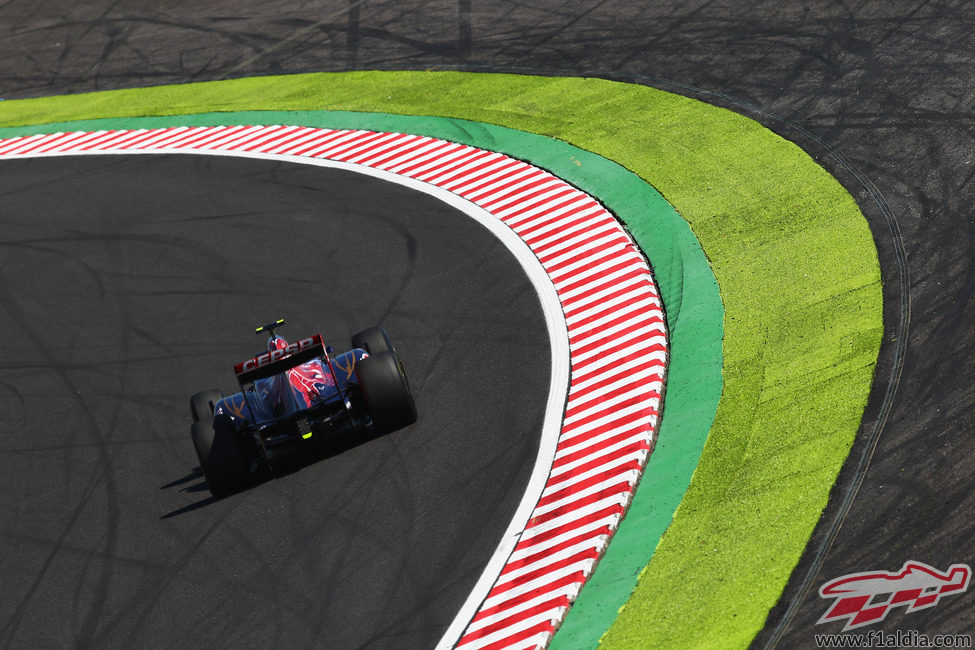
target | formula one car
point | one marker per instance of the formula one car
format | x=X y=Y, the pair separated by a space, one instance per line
x=290 y=398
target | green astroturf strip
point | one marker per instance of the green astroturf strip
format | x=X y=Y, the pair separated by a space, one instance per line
x=800 y=285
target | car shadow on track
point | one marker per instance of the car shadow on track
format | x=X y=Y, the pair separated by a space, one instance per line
x=197 y=483
x=320 y=451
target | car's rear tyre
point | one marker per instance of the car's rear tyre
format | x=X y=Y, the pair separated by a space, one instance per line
x=224 y=464
x=386 y=392
x=201 y=404
x=373 y=340
x=202 y=434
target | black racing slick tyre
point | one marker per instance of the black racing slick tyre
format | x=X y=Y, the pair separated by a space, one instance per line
x=386 y=392
x=224 y=465
x=202 y=434
x=373 y=340
x=201 y=404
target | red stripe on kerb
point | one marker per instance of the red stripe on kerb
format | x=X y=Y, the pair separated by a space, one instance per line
x=588 y=500
x=575 y=303
x=593 y=450
x=64 y=140
x=512 y=218
x=507 y=642
x=261 y=139
x=430 y=169
x=617 y=243
x=521 y=615
x=628 y=299
x=495 y=198
x=554 y=586
x=314 y=146
x=599 y=462
x=358 y=146
x=283 y=145
x=12 y=144
x=529 y=560
x=466 y=183
x=480 y=160
x=506 y=586
x=381 y=159
x=100 y=140
x=614 y=322
x=392 y=148
x=37 y=144
x=568 y=491
x=219 y=135
x=561 y=224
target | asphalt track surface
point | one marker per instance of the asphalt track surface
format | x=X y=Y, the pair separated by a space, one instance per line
x=130 y=286
x=879 y=92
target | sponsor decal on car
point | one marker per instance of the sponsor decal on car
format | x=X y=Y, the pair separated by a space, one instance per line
x=276 y=355
x=866 y=598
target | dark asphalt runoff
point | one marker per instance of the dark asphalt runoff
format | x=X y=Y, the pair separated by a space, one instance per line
x=879 y=92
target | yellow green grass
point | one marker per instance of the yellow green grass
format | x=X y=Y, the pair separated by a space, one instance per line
x=799 y=281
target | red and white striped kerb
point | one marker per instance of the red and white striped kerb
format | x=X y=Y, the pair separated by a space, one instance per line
x=614 y=320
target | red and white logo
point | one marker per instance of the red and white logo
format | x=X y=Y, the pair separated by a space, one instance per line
x=276 y=355
x=865 y=598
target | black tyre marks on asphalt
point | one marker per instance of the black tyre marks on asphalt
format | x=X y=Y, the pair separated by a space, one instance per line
x=886 y=86
x=137 y=283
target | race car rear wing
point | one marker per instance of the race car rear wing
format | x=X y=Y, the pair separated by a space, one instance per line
x=277 y=361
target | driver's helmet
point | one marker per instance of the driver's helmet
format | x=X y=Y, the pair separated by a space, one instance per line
x=276 y=343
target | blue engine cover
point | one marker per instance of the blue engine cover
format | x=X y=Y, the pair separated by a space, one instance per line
x=281 y=396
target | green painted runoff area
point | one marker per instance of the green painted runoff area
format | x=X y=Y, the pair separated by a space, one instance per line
x=799 y=282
